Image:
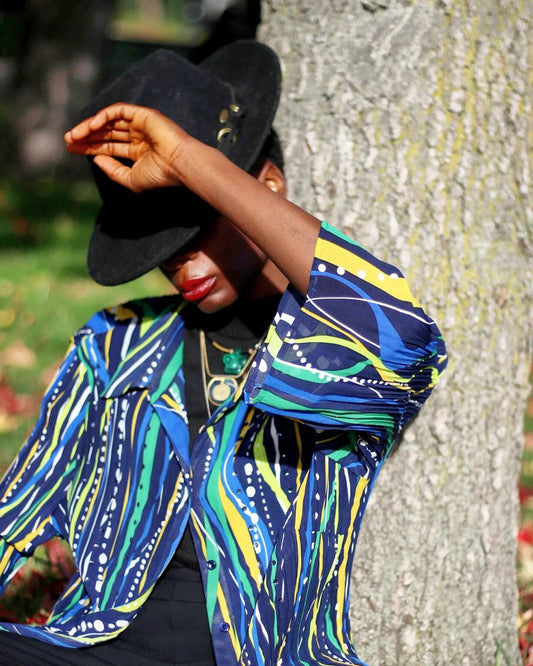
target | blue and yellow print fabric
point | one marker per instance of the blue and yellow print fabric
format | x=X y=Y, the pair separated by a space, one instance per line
x=279 y=478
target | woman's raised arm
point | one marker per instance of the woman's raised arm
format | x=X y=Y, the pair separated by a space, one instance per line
x=164 y=155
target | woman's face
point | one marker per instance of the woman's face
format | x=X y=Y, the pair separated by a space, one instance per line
x=216 y=268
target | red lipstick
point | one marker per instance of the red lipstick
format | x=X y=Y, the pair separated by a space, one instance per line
x=196 y=288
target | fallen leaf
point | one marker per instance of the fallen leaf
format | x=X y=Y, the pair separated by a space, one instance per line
x=23 y=229
x=7 y=288
x=8 y=423
x=16 y=403
x=7 y=317
x=18 y=355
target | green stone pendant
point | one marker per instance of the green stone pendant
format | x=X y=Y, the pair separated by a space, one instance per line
x=234 y=361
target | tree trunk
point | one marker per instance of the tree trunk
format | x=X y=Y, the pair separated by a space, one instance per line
x=407 y=124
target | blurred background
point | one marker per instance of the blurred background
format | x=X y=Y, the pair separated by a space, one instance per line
x=54 y=56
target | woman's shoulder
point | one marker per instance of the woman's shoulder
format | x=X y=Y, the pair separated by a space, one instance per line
x=140 y=313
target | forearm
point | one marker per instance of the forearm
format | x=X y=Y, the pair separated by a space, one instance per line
x=163 y=155
x=285 y=232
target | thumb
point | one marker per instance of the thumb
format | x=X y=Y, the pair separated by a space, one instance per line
x=116 y=171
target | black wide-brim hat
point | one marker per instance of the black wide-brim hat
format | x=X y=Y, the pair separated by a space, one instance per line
x=228 y=101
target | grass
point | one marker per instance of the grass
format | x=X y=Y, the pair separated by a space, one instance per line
x=45 y=292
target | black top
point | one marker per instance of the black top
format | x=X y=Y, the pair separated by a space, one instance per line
x=240 y=326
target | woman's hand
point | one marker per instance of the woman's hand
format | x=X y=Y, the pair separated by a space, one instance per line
x=146 y=137
x=164 y=155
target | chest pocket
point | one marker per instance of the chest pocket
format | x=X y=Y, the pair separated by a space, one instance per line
x=357 y=454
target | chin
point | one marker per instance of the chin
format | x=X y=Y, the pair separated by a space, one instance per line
x=213 y=305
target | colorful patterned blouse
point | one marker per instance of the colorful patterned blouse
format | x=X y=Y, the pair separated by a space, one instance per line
x=278 y=480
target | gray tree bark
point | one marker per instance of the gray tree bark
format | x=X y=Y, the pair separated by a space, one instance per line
x=407 y=124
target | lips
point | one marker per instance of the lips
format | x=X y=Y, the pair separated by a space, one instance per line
x=196 y=288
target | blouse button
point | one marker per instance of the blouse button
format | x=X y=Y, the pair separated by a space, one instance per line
x=211 y=564
x=224 y=626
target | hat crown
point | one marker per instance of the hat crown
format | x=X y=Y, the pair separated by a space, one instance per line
x=228 y=102
x=189 y=95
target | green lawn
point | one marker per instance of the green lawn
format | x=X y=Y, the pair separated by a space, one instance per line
x=45 y=292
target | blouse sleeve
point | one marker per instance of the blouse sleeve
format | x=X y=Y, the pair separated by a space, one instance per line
x=35 y=484
x=358 y=352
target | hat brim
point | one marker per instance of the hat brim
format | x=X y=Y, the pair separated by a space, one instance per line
x=142 y=235
x=132 y=238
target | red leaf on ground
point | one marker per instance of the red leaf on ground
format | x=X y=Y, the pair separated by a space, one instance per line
x=524 y=493
x=525 y=534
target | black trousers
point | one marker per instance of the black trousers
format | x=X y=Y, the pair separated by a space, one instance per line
x=171 y=629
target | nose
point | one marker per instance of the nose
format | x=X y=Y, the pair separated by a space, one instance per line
x=176 y=261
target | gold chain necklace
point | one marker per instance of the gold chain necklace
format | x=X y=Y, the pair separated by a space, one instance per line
x=220 y=388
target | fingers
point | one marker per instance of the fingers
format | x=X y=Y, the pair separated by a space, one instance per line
x=110 y=135
x=116 y=171
x=117 y=116
x=98 y=147
x=143 y=135
x=121 y=125
x=114 y=138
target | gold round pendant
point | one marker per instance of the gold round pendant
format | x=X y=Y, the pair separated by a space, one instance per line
x=221 y=388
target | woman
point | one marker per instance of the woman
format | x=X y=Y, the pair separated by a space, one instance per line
x=260 y=507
